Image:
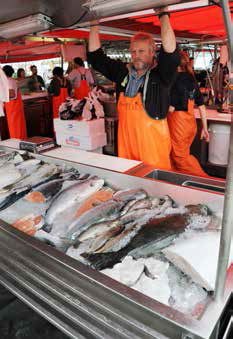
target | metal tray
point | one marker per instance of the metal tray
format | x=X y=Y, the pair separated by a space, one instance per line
x=84 y=303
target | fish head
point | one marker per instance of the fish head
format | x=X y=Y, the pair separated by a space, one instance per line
x=200 y=209
x=205 y=210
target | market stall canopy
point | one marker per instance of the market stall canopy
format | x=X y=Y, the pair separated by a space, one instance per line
x=38 y=48
x=198 y=24
x=191 y=24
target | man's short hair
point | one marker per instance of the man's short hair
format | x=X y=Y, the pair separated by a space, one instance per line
x=8 y=70
x=142 y=36
x=79 y=61
x=33 y=66
x=58 y=71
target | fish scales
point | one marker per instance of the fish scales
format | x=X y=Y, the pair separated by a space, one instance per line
x=97 y=230
x=104 y=238
x=121 y=240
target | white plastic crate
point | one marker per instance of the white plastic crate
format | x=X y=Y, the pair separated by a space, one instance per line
x=80 y=127
x=81 y=142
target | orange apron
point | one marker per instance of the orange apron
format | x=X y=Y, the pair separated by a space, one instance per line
x=183 y=128
x=15 y=118
x=58 y=100
x=83 y=90
x=141 y=137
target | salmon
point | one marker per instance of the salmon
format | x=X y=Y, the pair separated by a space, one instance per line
x=94 y=200
x=28 y=224
x=36 y=197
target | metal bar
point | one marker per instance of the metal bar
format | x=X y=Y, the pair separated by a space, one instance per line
x=118 y=7
x=227 y=224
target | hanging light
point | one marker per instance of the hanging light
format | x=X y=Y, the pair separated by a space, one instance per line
x=103 y=8
x=27 y=25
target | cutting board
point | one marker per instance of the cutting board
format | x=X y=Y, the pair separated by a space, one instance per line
x=93 y=159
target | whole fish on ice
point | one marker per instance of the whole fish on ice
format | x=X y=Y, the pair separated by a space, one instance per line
x=46 y=190
x=9 y=175
x=156 y=230
x=109 y=210
x=44 y=171
x=71 y=196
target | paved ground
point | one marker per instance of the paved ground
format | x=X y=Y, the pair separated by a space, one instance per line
x=17 y=321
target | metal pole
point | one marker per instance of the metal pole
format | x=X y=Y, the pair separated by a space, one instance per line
x=227 y=223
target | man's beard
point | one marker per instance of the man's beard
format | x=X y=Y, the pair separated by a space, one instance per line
x=140 y=65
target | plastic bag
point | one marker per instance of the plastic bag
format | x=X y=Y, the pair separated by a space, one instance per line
x=71 y=109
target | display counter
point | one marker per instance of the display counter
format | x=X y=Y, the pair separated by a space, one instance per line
x=214 y=115
x=34 y=95
x=92 y=159
x=84 y=303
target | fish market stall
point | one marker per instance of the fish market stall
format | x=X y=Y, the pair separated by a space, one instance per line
x=102 y=254
x=83 y=302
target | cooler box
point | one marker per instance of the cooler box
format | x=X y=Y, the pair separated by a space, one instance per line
x=87 y=143
x=80 y=127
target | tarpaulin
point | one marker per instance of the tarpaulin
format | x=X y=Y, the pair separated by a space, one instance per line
x=202 y=21
x=28 y=51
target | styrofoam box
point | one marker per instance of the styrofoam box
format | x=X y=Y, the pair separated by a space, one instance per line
x=81 y=142
x=80 y=127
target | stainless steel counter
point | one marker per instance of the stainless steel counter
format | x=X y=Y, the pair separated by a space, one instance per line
x=214 y=115
x=34 y=95
x=84 y=303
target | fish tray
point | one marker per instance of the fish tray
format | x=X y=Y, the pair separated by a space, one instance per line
x=84 y=303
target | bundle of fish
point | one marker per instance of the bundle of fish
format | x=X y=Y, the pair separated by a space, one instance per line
x=114 y=224
x=32 y=178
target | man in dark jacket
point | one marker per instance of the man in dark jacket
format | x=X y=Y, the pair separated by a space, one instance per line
x=142 y=92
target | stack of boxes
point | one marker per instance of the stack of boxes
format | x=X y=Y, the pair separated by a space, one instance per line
x=81 y=134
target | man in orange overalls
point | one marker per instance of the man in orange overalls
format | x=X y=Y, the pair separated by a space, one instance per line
x=142 y=91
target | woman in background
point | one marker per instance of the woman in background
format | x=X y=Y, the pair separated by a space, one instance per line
x=21 y=73
x=81 y=79
x=22 y=81
x=14 y=108
x=60 y=88
x=181 y=119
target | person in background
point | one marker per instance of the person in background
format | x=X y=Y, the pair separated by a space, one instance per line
x=60 y=88
x=36 y=83
x=181 y=119
x=81 y=79
x=14 y=108
x=142 y=89
x=22 y=81
x=21 y=73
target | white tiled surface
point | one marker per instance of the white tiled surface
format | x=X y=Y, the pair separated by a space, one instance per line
x=93 y=159
x=214 y=115
x=13 y=143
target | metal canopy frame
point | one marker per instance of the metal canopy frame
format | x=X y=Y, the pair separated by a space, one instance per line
x=227 y=224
